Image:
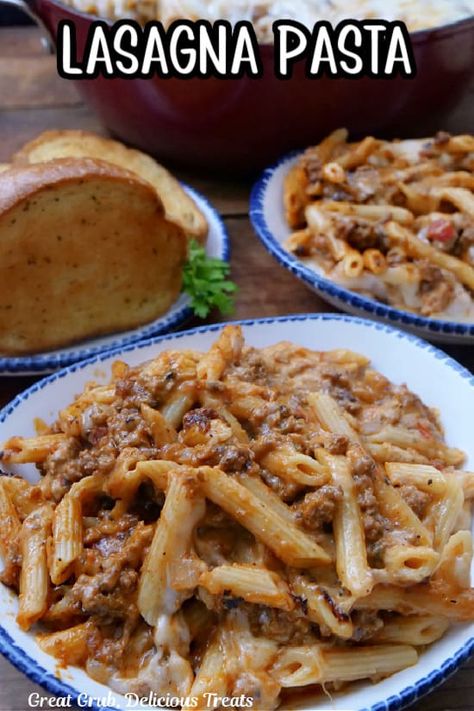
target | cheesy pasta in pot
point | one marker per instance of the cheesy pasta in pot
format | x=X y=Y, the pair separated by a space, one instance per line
x=262 y=13
x=392 y=220
x=242 y=521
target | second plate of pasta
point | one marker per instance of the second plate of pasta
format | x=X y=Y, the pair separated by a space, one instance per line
x=377 y=228
x=260 y=510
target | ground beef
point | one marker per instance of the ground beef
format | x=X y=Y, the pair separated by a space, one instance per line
x=435 y=291
x=199 y=418
x=110 y=591
x=435 y=298
x=128 y=429
x=252 y=368
x=334 y=443
x=363 y=183
x=363 y=470
x=416 y=499
x=366 y=624
x=317 y=507
x=363 y=235
x=278 y=625
x=361 y=463
x=134 y=394
x=287 y=419
x=234 y=458
x=63 y=467
x=347 y=401
x=265 y=444
x=90 y=461
x=373 y=521
x=286 y=490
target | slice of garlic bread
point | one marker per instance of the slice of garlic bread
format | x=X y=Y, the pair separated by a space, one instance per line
x=179 y=206
x=85 y=250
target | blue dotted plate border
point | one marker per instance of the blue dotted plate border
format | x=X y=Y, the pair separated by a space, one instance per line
x=29 y=666
x=326 y=287
x=46 y=362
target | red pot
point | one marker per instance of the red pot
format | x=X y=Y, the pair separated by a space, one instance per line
x=244 y=124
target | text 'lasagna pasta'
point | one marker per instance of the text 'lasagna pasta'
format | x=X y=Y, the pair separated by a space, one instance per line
x=220 y=49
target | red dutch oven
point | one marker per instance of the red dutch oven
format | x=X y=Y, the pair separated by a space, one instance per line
x=242 y=125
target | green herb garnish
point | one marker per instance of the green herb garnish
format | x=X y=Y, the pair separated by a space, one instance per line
x=204 y=279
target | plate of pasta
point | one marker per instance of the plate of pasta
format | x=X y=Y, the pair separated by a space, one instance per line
x=378 y=228
x=221 y=513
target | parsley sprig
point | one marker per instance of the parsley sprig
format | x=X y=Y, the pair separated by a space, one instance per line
x=205 y=280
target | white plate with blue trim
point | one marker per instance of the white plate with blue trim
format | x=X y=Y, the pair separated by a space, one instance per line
x=440 y=381
x=268 y=219
x=217 y=245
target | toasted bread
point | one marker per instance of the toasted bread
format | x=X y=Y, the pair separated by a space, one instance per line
x=85 y=249
x=179 y=206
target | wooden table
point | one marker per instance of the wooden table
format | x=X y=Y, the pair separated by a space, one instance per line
x=32 y=99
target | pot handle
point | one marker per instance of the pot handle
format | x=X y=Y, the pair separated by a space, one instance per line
x=27 y=8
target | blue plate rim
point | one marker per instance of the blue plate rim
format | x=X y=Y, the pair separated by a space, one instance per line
x=42 y=363
x=325 y=286
x=407 y=696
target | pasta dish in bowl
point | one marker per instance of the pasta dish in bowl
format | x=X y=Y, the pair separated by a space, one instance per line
x=392 y=220
x=238 y=519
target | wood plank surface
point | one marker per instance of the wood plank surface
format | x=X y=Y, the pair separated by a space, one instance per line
x=32 y=99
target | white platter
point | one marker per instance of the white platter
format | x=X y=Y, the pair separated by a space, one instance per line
x=440 y=381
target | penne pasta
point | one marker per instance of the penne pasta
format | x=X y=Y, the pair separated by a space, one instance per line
x=330 y=415
x=371 y=212
x=285 y=539
x=408 y=565
x=374 y=261
x=420 y=599
x=352 y=264
x=423 y=476
x=34 y=577
x=251 y=583
x=417 y=248
x=322 y=609
x=34 y=450
x=447 y=512
x=455 y=561
x=70 y=646
x=302 y=666
x=161 y=430
x=10 y=525
x=291 y=465
x=393 y=506
x=417 y=630
x=402 y=437
x=67 y=538
x=351 y=558
x=222 y=353
x=169 y=546
x=178 y=405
